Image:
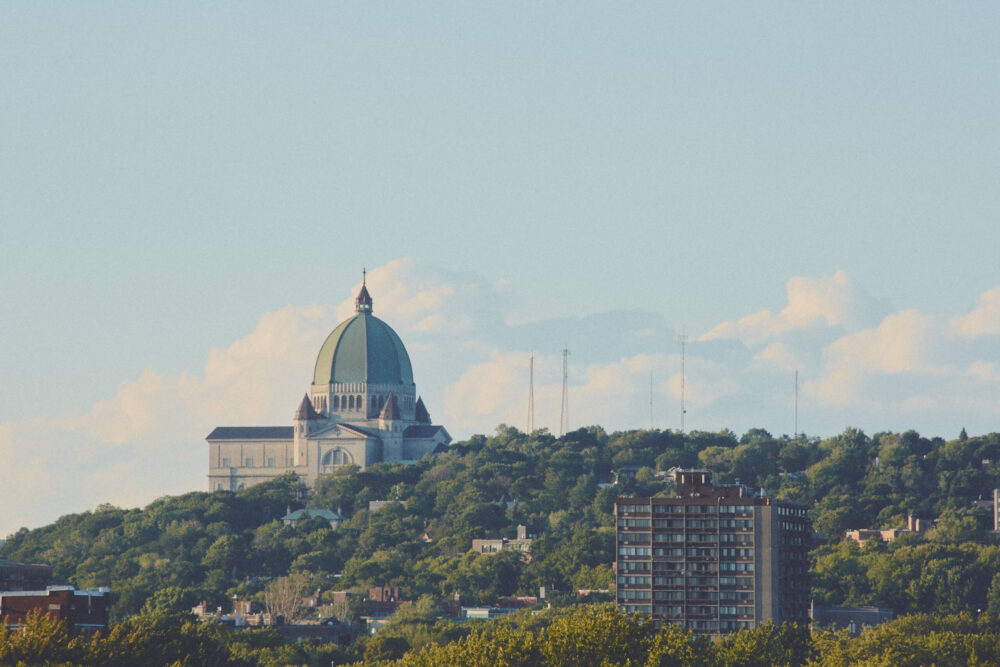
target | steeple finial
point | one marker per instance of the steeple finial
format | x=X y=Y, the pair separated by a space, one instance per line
x=363 y=304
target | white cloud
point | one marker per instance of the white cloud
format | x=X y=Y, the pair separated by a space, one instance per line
x=826 y=302
x=779 y=356
x=615 y=395
x=983 y=371
x=905 y=370
x=148 y=439
x=984 y=320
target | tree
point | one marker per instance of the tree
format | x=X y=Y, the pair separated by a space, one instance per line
x=766 y=645
x=595 y=636
x=284 y=595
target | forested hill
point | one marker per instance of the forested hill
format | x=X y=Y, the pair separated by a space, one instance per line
x=180 y=550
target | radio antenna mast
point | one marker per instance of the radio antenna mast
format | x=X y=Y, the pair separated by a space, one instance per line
x=531 y=394
x=796 y=404
x=683 y=339
x=651 y=399
x=564 y=410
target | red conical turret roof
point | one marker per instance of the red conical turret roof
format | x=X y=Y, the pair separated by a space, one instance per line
x=306 y=410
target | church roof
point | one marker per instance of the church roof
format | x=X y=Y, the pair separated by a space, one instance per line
x=422 y=431
x=361 y=349
x=358 y=429
x=251 y=433
x=306 y=410
x=390 y=410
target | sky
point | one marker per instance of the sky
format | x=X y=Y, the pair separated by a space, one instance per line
x=189 y=192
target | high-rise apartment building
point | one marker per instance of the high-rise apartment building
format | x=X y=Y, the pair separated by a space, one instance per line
x=713 y=559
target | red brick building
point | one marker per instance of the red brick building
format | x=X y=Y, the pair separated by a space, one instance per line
x=84 y=611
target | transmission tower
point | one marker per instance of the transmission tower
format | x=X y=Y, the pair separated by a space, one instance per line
x=564 y=410
x=796 y=404
x=683 y=339
x=531 y=394
x=651 y=400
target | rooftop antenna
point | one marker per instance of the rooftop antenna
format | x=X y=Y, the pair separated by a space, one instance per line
x=564 y=409
x=683 y=339
x=531 y=394
x=796 y=404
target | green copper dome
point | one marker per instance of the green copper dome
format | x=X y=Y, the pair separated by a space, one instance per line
x=363 y=349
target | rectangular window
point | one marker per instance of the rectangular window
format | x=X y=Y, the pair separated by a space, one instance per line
x=270 y=463
x=249 y=463
x=225 y=463
x=626 y=509
x=633 y=551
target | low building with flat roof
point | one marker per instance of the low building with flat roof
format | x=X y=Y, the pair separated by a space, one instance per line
x=852 y=619
x=84 y=611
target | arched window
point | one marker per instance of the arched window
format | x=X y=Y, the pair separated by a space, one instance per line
x=336 y=403
x=336 y=457
x=359 y=403
x=351 y=403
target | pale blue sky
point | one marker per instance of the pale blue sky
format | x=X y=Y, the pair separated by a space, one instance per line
x=171 y=172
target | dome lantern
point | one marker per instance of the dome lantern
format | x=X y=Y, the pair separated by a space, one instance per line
x=363 y=304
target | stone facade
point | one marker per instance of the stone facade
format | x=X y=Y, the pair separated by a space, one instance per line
x=361 y=408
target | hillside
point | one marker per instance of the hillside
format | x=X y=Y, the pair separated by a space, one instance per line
x=209 y=546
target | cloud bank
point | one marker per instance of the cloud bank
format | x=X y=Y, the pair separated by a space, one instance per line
x=859 y=362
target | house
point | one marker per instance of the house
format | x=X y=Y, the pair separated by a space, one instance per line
x=335 y=519
x=494 y=546
x=864 y=535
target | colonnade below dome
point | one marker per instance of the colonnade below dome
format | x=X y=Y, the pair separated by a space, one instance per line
x=361 y=400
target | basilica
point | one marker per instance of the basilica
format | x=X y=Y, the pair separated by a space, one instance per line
x=362 y=408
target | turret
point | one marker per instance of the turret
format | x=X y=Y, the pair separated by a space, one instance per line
x=391 y=424
x=304 y=421
x=421 y=414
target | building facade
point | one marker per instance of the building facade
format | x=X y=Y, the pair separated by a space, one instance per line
x=361 y=408
x=83 y=611
x=713 y=559
x=23 y=577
